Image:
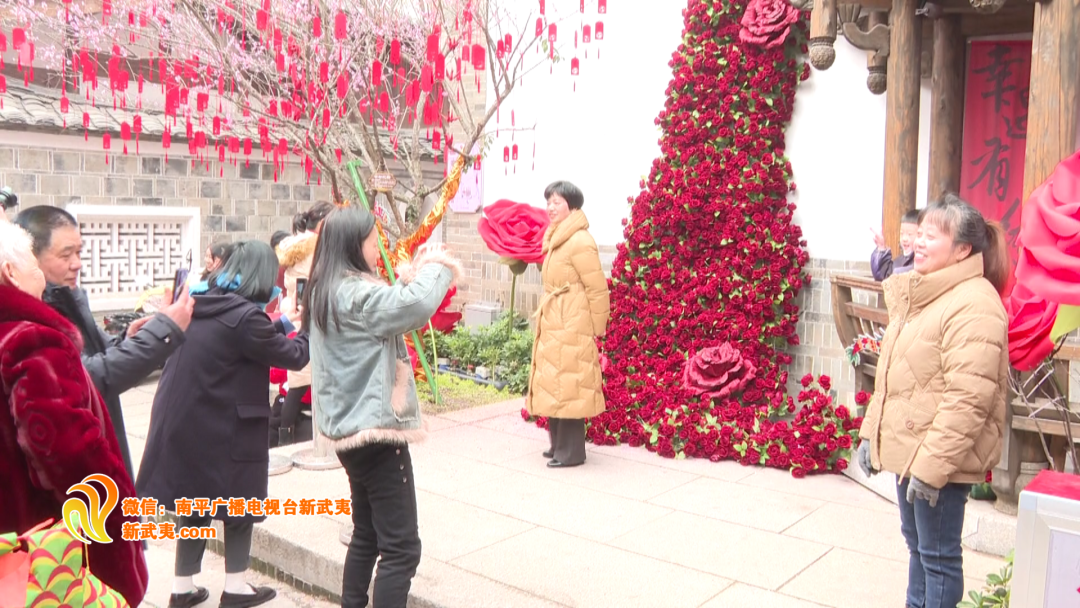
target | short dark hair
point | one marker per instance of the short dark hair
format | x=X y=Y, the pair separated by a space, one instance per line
x=911 y=217
x=41 y=221
x=256 y=264
x=569 y=192
x=279 y=236
x=220 y=251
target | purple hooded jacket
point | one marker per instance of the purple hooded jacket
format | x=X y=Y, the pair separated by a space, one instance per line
x=883 y=265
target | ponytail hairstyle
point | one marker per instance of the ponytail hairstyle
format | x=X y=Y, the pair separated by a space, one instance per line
x=967 y=226
x=299 y=223
x=314 y=216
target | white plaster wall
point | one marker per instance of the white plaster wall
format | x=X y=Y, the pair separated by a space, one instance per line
x=603 y=137
x=836 y=143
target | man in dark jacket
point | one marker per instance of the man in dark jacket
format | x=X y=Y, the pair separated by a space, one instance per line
x=114 y=364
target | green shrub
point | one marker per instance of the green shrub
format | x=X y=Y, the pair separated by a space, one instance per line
x=997 y=590
x=508 y=353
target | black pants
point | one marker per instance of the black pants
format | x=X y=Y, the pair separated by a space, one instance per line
x=567 y=439
x=384 y=526
x=189 y=552
x=289 y=425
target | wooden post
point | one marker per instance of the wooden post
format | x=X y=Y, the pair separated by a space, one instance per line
x=901 y=118
x=947 y=108
x=1053 y=109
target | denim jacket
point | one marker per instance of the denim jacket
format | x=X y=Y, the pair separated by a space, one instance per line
x=363 y=388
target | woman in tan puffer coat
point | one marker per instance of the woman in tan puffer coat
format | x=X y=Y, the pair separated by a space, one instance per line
x=295 y=254
x=565 y=383
x=938 y=414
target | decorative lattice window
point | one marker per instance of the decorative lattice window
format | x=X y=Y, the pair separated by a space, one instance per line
x=128 y=249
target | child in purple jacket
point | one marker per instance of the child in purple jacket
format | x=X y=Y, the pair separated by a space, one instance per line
x=882 y=263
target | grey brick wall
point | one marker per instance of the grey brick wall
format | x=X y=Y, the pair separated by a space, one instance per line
x=235 y=202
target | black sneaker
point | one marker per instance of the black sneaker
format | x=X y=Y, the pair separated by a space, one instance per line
x=247 y=600
x=189 y=599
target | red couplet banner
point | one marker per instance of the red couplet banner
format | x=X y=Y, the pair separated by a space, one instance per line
x=995 y=131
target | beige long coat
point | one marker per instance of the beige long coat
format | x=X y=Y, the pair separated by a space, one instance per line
x=565 y=381
x=295 y=255
x=938 y=410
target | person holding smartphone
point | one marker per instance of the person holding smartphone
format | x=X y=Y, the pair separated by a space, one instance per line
x=295 y=255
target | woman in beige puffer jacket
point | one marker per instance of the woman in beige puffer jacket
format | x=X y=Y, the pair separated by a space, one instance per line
x=938 y=414
x=565 y=382
x=295 y=254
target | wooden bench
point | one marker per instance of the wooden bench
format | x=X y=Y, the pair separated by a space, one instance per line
x=853 y=319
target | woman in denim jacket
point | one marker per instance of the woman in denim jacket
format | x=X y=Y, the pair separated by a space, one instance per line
x=365 y=393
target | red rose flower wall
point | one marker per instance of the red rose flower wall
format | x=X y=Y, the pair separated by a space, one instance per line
x=703 y=289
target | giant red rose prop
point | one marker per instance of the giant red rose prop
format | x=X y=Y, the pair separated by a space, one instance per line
x=1049 y=258
x=767 y=22
x=442 y=320
x=717 y=372
x=515 y=230
x=1030 y=320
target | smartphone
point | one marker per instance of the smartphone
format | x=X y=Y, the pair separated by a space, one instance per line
x=300 y=285
x=179 y=283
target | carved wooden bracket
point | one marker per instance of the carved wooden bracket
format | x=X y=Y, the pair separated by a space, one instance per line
x=823 y=34
x=875 y=39
x=802 y=5
x=987 y=6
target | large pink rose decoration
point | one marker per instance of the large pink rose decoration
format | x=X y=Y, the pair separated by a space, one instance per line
x=515 y=230
x=767 y=22
x=1049 y=260
x=717 y=372
x=1030 y=320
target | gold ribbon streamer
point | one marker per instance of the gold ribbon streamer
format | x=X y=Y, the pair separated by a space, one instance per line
x=406 y=247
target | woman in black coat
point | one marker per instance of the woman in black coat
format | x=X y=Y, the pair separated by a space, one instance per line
x=208 y=426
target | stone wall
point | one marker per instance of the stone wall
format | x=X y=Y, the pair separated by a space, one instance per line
x=236 y=202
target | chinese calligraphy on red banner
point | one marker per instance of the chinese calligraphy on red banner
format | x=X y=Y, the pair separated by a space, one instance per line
x=995 y=131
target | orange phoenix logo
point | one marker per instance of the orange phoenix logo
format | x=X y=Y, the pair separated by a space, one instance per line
x=78 y=518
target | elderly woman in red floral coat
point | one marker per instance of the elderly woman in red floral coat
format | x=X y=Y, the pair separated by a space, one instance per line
x=54 y=427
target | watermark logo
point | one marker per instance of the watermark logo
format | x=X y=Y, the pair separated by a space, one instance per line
x=78 y=518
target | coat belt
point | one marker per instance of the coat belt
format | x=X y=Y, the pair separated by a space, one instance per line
x=548 y=298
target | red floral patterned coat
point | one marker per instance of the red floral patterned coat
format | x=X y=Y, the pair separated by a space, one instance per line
x=54 y=431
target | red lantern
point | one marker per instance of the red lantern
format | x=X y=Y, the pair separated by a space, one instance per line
x=343 y=85
x=432 y=46
x=106 y=141
x=478 y=57
x=395 y=52
x=599 y=34
x=376 y=73
x=316 y=27
x=586 y=33
x=500 y=49
x=601 y=6
x=384 y=102
x=340 y=25
x=542 y=7
x=506 y=154
x=553 y=33
x=261 y=19
x=326 y=118
x=324 y=72
x=440 y=67
x=514 y=154
x=575 y=66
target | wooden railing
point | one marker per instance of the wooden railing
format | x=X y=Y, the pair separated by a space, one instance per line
x=854 y=319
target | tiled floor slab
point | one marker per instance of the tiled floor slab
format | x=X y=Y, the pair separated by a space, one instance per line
x=608 y=474
x=829 y=488
x=577 y=511
x=728 y=550
x=513 y=424
x=484 y=445
x=473 y=528
x=732 y=502
x=443 y=473
x=726 y=470
x=580 y=573
x=745 y=596
x=846 y=527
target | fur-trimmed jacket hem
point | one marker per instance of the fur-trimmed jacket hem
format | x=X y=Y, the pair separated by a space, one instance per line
x=373 y=436
x=429 y=254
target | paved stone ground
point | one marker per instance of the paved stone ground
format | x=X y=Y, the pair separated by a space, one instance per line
x=627 y=529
